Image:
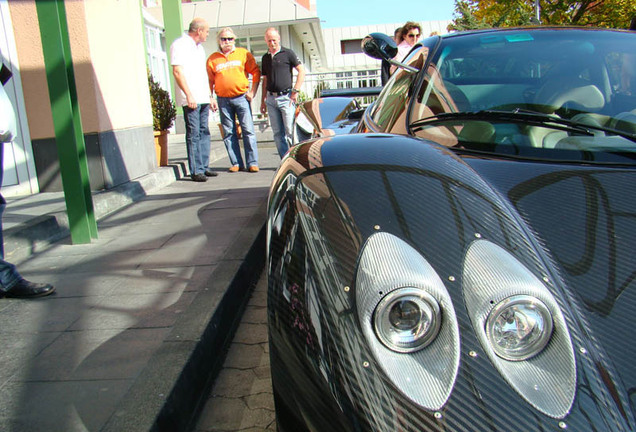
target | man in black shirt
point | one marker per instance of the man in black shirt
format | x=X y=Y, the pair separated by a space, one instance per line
x=279 y=95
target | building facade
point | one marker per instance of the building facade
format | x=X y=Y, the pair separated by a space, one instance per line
x=295 y=20
x=109 y=68
x=347 y=66
x=110 y=65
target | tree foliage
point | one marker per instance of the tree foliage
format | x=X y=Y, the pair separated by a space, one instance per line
x=475 y=14
x=465 y=18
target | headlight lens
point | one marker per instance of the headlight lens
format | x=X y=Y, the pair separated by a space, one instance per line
x=519 y=327
x=407 y=319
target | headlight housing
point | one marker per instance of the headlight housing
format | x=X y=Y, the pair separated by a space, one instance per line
x=520 y=327
x=408 y=320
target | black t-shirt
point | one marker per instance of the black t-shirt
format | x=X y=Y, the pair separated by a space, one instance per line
x=279 y=70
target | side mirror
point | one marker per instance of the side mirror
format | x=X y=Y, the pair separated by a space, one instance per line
x=379 y=46
x=383 y=47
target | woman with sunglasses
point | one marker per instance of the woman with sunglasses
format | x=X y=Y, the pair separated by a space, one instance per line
x=411 y=33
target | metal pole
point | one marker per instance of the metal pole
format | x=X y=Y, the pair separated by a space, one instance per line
x=537 y=11
x=173 y=25
x=67 y=124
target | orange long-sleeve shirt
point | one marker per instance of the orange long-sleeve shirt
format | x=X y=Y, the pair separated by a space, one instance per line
x=228 y=73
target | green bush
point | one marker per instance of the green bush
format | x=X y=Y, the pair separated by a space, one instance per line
x=163 y=109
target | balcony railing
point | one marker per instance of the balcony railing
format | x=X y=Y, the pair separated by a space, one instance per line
x=316 y=82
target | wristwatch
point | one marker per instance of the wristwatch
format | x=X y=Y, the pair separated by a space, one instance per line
x=295 y=90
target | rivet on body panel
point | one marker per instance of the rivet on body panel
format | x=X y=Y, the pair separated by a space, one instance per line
x=365 y=364
x=451 y=278
x=438 y=415
x=347 y=289
x=582 y=350
x=477 y=235
x=472 y=353
x=563 y=425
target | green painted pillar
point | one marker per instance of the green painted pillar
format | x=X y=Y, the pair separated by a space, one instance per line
x=173 y=25
x=69 y=136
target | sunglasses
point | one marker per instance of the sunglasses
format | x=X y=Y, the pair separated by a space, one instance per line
x=413 y=35
x=228 y=39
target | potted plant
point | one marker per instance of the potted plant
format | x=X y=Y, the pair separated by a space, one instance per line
x=163 y=115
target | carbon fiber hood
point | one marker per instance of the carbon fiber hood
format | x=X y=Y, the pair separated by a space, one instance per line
x=574 y=225
x=585 y=217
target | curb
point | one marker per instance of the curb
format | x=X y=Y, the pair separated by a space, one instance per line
x=35 y=235
x=171 y=390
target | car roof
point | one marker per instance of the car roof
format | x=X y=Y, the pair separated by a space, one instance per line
x=530 y=28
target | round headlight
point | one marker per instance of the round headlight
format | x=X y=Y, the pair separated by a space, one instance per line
x=519 y=327
x=407 y=319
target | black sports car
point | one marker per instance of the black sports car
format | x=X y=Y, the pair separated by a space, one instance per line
x=460 y=256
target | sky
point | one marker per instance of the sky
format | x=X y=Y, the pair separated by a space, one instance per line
x=351 y=13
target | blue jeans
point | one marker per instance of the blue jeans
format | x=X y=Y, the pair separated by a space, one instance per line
x=281 y=117
x=197 y=137
x=8 y=273
x=240 y=108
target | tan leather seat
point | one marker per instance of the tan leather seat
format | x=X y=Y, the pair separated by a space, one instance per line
x=574 y=94
x=477 y=132
x=578 y=96
x=625 y=121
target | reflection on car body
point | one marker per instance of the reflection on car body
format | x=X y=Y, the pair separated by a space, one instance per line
x=460 y=255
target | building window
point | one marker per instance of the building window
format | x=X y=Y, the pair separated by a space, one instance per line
x=157 y=58
x=368 y=78
x=351 y=46
x=344 y=80
x=254 y=44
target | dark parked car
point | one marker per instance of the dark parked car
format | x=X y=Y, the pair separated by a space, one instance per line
x=461 y=255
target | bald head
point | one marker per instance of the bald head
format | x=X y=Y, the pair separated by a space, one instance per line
x=196 y=24
x=272 y=38
x=199 y=30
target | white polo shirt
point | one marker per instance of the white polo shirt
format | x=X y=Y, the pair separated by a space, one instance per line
x=185 y=52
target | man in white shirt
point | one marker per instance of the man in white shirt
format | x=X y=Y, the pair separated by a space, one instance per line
x=187 y=57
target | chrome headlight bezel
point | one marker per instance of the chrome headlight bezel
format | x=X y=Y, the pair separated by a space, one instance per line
x=535 y=339
x=412 y=337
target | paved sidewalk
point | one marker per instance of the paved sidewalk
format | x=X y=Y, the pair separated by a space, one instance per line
x=141 y=314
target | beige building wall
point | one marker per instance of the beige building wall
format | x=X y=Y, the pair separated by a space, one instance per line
x=34 y=86
x=118 y=58
x=109 y=63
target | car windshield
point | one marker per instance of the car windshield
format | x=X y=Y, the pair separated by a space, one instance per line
x=534 y=92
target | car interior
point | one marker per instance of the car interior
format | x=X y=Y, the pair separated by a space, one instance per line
x=579 y=80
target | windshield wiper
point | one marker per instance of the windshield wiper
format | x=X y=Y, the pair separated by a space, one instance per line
x=521 y=116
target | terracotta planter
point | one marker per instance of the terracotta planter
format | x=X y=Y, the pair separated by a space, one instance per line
x=161 y=147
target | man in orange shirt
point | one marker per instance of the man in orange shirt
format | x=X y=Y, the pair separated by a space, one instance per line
x=228 y=70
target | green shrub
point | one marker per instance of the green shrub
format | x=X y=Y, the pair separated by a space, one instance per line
x=163 y=109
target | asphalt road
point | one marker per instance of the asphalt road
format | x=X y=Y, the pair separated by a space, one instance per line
x=241 y=398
